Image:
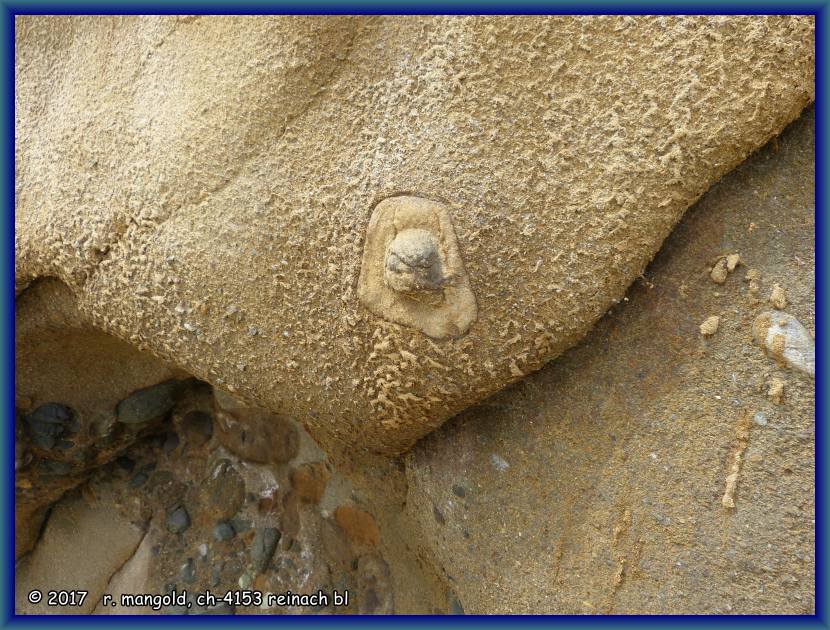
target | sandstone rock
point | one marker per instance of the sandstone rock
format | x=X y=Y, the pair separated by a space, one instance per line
x=358 y=525
x=621 y=451
x=82 y=546
x=309 y=481
x=193 y=180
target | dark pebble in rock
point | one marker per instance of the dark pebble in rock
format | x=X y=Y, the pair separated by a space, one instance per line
x=458 y=491
x=125 y=463
x=259 y=437
x=197 y=427
x=262 y=549
x=56 y=468
x=188 y=571
x=171 y=442
x=223 y=531
x=138 y=480
x=148 y=403
x=224 y=490
x=240 y=525
x=178 y=520
x=49 y=422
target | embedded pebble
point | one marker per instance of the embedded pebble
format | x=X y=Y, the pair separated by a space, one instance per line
x=171 y=443
x=760 y=419
x=187 y=572
x=224 y=490
x=262 y=549
x=776 y=390
x=710 y=326
x=148 y=403
x=784 y=338
x=719 y=272
x=752 y=276
x=223 y=531
x=178 y=520
x=499 y=463
x=778 y=297
x=48 y=423
x=197 y=427
x=732 y=261
x=138 y=480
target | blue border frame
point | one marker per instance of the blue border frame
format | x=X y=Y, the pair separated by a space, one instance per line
x=8 y=11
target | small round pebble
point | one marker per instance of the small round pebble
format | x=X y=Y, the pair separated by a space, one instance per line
x=223 y=531
x=178 y=520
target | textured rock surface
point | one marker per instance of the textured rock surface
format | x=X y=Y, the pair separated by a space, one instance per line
x=81 y=548
x=203 y=186
x=602 y=484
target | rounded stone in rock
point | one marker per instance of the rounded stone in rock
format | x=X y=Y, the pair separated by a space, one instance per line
x=178 y=520
x=171 y=442
x=149 y=403
x=48 y=423
x=188 y=571
x=258 y=436
x=223 y=530
x=138 y=480
x=197 y=427
x=224 y=490
x=125 y=463
x=52 y=467
x=263 y=547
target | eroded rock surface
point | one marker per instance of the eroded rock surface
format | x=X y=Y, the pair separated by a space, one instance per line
x=651 y=469
x=204 y=185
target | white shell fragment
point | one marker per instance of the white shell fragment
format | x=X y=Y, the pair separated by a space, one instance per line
x=784 y=338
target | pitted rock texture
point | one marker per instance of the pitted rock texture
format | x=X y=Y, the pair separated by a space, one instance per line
x=203 y=185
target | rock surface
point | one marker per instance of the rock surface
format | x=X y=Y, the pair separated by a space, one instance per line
x=204 y=185
x=81 y=548
x=649 y=469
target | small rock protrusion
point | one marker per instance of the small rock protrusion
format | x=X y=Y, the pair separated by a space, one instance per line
x=223 y=530
x=187 y=571
x=784 y=338
x=148 y=404
x=224 y=490
x=710 y=326
x=778 y=297
x=178 y=520
x=49 y=423
x=263 y=547
x=309 y=481
x=197 y=428
x=413 y=262
x=359 y=526
x=719 y=272
x=776 y=390
x=753 y=277
x=723 y=267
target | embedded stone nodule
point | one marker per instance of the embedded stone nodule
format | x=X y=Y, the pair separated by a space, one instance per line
x=412 y=272
x=786 y=340
x=413 y=262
